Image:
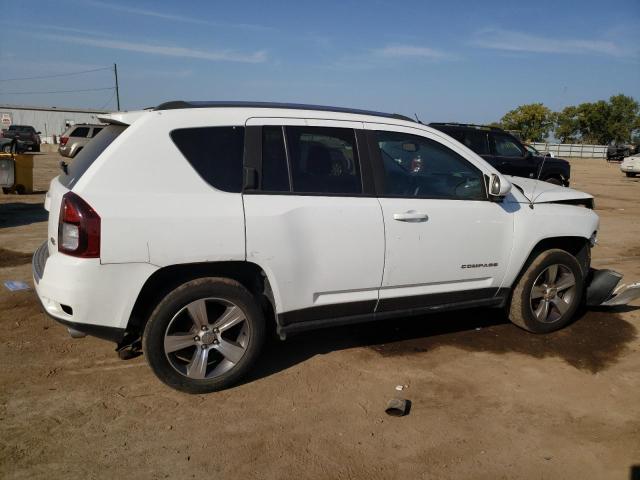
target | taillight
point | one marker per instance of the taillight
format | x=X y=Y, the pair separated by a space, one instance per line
x=64 y=140
x=78 y=228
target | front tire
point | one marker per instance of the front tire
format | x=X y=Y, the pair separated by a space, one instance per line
x=554 y=180
x=630 y=174
x=204 y=336
x=548 y=294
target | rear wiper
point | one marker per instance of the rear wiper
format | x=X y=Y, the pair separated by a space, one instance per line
x=63 y=167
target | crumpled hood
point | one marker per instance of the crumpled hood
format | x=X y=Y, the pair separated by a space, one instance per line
x=537 y=191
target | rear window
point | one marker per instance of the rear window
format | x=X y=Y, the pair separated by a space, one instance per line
x=88 y=154
x=82 y=132
x=216 y=153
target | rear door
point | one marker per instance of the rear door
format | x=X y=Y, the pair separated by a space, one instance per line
x=312 y=222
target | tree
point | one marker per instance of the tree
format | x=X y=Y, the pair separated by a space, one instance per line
x=599 y=122
x=624 y=118
x=534 y=121
x=567 y=125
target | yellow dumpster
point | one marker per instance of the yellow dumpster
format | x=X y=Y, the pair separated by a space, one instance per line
x=23 y=174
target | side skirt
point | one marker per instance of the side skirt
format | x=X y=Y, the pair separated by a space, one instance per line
x=302 y=325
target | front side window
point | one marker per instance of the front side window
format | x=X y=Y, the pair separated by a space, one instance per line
x=96 y=131
x=324 y=160
x=216 y=153
x=506 y=146
x=419 y=167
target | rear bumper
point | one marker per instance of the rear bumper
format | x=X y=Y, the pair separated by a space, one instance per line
x=85 y=295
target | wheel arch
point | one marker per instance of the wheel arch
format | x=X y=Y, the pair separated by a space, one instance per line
x=166 y=279
x=579 y=247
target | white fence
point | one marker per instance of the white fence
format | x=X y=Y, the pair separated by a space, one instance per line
x=572 y=149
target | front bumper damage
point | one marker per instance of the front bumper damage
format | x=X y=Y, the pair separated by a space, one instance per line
x=603 y=289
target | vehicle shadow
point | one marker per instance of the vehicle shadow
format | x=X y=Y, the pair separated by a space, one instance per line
x=17 y=214
x=592 y=343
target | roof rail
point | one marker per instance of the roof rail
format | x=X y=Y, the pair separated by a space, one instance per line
x=180 y=104
x=455 y=124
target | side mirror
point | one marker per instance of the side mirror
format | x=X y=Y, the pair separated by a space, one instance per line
x=38 y=133
x=499 y=186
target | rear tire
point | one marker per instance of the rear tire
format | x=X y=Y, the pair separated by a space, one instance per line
x=548 y=294
x=204 y=336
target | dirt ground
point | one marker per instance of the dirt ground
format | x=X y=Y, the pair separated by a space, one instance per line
x=488 y=399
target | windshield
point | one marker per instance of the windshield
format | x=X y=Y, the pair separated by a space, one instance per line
x=89 y=153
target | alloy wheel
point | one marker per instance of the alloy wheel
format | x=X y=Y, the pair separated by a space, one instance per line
x=553 y=293
x=206 y=338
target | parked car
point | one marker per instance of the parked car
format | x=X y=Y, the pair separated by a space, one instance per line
x=25 y=134
x=506 y=153
x=236 y=215
x=11 y=145
x=75 y=138
x=631 y=165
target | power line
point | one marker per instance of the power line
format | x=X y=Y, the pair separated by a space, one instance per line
x=59 y=91
x=55 y=75
x=113 y=94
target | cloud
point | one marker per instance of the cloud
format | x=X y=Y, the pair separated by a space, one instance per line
x=411 y=51
x=170 y=16
x=220 y=55
x=510 y=41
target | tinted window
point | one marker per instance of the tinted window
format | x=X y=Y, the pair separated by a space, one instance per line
x=275 y=173
x=80 y=132
x=477 y=141
x=88 y=154
x=324 y=160
x=96 y=131
x=215 y=153
x=418 y=167
x=506 y=146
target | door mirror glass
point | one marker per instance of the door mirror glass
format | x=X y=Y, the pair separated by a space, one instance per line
x=499 y=186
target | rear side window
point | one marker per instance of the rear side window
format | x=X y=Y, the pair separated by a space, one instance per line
x=324 y=160
x=216 y=153
x=275 y=173
x=82 y=132
x=96 y=131
x=88 y=154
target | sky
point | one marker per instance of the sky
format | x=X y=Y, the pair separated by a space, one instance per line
x=442 y=61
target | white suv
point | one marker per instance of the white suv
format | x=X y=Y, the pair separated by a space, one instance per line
x=190 y=226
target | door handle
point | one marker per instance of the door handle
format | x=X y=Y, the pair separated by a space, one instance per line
x=411 y=216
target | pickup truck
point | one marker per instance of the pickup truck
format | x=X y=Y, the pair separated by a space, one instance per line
x=25 y=134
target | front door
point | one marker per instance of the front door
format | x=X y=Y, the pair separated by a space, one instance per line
x=510 y=157
x=445 y=242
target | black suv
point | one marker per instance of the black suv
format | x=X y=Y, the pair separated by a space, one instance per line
x=506 y=153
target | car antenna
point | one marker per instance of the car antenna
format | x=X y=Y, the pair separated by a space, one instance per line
x=531 y=200
x=417 y=119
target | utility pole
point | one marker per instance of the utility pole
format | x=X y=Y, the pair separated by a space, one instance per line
x=115 y=72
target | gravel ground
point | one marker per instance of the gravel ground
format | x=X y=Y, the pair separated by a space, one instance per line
x=488 y=399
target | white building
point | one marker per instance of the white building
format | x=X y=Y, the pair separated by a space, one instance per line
x=50 y=121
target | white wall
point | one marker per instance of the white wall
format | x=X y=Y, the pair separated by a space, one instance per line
x=48 y=122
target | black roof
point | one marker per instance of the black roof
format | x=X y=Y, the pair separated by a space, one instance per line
x=179 y=104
